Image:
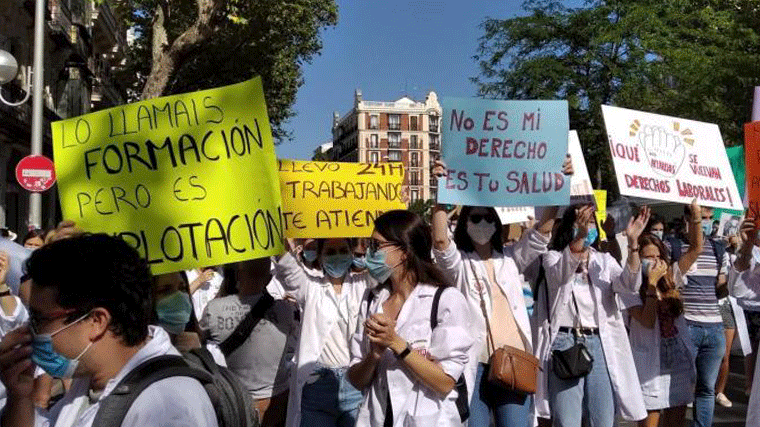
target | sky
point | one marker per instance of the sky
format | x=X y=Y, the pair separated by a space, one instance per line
x=389 y=49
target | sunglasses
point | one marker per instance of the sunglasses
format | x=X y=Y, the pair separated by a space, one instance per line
x=476 y=218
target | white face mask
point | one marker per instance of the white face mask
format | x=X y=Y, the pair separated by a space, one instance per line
x=481 y=232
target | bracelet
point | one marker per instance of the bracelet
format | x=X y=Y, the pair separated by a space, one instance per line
x=633 y=249
x=404 y=353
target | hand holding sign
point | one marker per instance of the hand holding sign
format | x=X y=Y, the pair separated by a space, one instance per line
x=663 y=146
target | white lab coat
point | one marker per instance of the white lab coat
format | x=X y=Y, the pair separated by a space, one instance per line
x=319 y=313
x=508 y=267
x=645 y=347
x=746 y=285
x=607 y=280
x=171 y=402
x=413 y=403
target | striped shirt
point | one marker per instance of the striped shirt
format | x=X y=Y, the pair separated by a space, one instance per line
x=699 y=300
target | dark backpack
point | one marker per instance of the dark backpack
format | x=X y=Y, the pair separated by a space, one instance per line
x=463 y=406
x=230 y=399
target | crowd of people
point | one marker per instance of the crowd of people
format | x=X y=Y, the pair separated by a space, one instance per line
x=439 y=323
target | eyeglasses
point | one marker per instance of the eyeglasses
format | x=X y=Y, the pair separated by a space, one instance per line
x=37 y=321
x=375 y=245
x=476 y=218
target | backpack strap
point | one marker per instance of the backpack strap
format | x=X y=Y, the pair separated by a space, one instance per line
x=244 y=329
x=114 y=407
x=434 y=309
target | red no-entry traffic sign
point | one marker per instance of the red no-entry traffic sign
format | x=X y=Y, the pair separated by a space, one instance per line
x=35 y=173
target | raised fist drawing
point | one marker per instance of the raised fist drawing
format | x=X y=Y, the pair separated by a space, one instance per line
x=664 y=147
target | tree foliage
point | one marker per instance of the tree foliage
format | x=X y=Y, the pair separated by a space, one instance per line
x=423 y=208
x=688 y=58
x=183 y=46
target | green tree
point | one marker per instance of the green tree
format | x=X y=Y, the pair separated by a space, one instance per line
x=183 y=46
x=423 y=208
x=687 y=58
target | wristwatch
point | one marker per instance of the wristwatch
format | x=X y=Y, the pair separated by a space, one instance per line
x=404 y=353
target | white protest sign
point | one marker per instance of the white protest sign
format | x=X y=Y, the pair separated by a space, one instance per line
x=581 y=190
x=729 y=224
x=667 y=158
x=516 y=214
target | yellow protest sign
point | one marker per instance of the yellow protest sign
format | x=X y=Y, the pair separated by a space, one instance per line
x=166 y=175
x=601 y=211
x=331 y=199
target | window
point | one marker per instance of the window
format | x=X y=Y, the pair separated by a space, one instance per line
x=434 y=145
x=433 y=123
x=394 y=140
x=415 y=160
x=394 y=156
x=394 y=122
x=373 y=140
x=373 y=121
x=373 y=157
x=415 y=195
x=413 y=123
x=413 y=142
x=415 y=179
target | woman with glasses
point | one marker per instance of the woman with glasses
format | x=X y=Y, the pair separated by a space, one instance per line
x=329 y=303
x=585 y=318
x=408 y=352
x=490 y=276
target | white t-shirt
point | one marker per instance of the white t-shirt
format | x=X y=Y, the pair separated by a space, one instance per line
x=171 y=402
x=206 y=292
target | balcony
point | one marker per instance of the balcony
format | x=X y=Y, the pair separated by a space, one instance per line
x=433 y=127
x=60 y=22
x=394 y=126
x=107 y=32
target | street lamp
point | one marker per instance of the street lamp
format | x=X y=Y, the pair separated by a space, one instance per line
x=8 y=72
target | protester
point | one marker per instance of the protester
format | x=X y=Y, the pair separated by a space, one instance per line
x=89 y=311
x=744 y=283
x=407 y=366
x=204 y=286
x=656 y=227
x=34 y=239
x=359 y=248
x=582 y=285
x=174 y=311
x=489 y=274
x=659 y=337
x=13 y=314
x=320 y=394
x=701 y=310
x=263 y=360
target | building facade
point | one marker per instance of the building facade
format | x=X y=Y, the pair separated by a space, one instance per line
x=404 y=130
x=84 y=41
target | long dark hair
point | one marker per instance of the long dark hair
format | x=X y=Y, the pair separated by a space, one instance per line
x=414 y=237
x=671 y=297
x=566 y=230
x=462 y=238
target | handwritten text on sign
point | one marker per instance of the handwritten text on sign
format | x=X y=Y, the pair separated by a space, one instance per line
x=504 y=153
x=667 y=158
x=331 y=199
x=752 y=159
x=165 y=175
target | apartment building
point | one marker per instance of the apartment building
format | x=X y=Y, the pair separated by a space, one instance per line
x=404 y=130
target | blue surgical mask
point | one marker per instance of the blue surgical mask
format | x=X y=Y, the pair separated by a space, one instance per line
x=52 y=362
x=645 y=265
x=591 y=237
x=377 y=267
x=360 y=262
x=309 y=255
x=337 y=266
x=174 y=312
x=707 y=226
x=657 y=233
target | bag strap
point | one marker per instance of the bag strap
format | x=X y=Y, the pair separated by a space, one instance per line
x=489 y=337
x=114 y=407
x=434 y=310
x=244 y=329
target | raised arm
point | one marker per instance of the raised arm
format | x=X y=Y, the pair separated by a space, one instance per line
x=632 y=232
x=440 y=219
x=696 y=238
x=292 y=276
